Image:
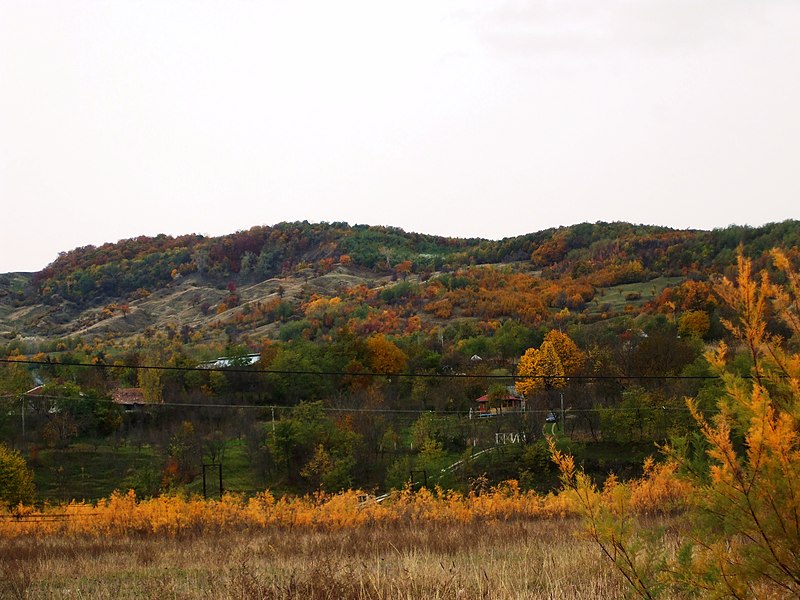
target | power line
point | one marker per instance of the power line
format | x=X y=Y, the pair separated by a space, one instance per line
x=593 y=377
x=234 y=406
x=226 y=406
x=342 y=409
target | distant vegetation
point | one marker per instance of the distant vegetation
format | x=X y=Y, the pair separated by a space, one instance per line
x=601 y=254
x=312 y=360
x=359 y=332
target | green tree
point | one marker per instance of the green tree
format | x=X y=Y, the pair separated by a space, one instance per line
x=15 y=378
x=431 y=458
x=16 y=479
x=497 y=393
x=512 y=339
x=82 y=413
x=635 y=419
x=329 y=472
x=290 y=387
x=312 y=446
x=447 y=431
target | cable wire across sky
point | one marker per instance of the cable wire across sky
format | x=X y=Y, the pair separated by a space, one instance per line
x=44 y=363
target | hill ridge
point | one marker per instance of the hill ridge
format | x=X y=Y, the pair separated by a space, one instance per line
x=125 y=287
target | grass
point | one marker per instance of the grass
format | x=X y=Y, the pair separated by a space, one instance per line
x=93 y=471
x=87 y=471
x=499 y=560
x=615 y=296
x=238 y=473
x=90 y=472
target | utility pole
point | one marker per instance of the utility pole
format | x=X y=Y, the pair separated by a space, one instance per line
x=23 y=401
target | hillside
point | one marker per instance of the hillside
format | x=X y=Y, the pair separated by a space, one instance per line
x=124 y=288
x=377 y=350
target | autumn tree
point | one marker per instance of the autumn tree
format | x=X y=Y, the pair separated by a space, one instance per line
x=184 y=455
x=540 y=370
x=694 y=323
x=385 y=356
x=742 y=536
x=150 y=376
x=403 y=268
x=571 y=357
x=549 y=367
x=59 y=430
x=527 y=370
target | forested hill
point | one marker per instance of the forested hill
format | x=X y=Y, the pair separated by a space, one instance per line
x=269 y=274
x=604 y=252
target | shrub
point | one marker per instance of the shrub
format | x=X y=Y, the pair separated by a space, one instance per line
x=742 y=532
x=16 y=479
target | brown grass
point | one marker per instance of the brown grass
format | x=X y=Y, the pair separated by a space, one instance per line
x=501 y=560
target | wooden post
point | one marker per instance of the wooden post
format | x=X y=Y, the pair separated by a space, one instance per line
x=219 y=470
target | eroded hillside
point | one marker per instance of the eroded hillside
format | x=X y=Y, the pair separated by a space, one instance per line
x=301 y=279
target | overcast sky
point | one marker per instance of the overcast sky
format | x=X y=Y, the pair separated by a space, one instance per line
x=491 y=119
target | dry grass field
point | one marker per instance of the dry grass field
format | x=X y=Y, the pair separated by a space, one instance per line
x=503 y=560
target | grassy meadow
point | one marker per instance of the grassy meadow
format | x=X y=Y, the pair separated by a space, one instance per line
x=540 y=558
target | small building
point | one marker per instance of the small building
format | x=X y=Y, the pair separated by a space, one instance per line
x=38 y=393
x=226 y=362
x=510 y=401
x=129 y=398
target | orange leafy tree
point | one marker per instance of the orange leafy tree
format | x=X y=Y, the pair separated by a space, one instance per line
x=549 y=367
x=385 y=356
x=740 y=532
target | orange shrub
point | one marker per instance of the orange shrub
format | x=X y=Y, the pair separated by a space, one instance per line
x=173 y=515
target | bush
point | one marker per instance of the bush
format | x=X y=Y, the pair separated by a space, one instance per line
x=741 y=500
x=16 y=479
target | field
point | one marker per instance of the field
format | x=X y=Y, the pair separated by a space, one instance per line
x=540 y=558
x=616 y=298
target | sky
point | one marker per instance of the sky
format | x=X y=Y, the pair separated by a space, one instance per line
x=469 y=118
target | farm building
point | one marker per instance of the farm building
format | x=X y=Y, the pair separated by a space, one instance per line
x=510 y=400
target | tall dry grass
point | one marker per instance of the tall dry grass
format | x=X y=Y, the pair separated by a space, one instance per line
x=516 y=559
x=503 y=543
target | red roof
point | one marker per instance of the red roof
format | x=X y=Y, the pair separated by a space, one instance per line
x=485 y=398
x=128 y=396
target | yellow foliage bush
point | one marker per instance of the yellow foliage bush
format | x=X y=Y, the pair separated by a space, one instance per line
x=741 y=537
x=175 y=515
